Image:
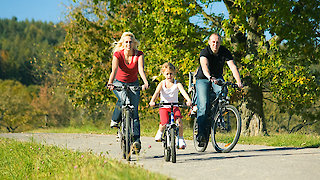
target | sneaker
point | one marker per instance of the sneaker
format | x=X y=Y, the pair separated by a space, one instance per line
x=201 y=140
x=136 y=147
x=114 y=124
x=181 y=143
x=158 y=136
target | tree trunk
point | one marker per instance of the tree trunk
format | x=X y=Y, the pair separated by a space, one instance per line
x=252 y=115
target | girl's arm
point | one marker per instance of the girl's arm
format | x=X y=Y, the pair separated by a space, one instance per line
x=142 y=73
x=184 y=93
x=114 y=69
x=156 y=94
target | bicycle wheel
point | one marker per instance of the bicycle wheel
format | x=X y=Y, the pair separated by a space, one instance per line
x=195 y=142
x=122 y=139
x=226 y=129
x=166 y=149
x=127 y=135
x=173 y=145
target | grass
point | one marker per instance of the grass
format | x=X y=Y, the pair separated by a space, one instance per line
x=29 y=160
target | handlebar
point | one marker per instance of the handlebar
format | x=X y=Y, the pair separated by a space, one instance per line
x=126 y=87
x=223 y=84
x=161 y=104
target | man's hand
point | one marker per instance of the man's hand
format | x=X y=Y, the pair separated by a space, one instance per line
x=110 y=87
x=152 y=104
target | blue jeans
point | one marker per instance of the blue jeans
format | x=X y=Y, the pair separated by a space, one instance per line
x=205 y=94
x=134 y=97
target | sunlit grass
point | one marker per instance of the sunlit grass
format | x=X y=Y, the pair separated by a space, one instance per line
x=28 y=160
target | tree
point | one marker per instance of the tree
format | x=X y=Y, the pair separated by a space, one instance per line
x=279 y=65
x=165 y=34
x=15 y=108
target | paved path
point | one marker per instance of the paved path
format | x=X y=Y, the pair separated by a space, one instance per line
x=244 y=162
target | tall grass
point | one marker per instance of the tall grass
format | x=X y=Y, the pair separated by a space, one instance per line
x=29 y=160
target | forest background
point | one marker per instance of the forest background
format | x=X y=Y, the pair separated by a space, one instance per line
x=53 y=75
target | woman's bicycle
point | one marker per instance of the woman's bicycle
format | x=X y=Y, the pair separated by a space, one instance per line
x=170 y=134
x=225 y=120
x=125 y=130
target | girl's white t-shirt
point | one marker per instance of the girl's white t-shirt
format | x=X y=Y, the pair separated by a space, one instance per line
x=168 y=95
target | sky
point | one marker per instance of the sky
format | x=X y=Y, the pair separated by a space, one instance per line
x=39 y=10
x=53 y=10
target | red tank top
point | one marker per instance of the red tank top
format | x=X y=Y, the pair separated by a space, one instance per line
x=127 y=73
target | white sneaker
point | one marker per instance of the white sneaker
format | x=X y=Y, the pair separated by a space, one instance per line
x=181 y=143
x=114 y=124
x=158 y=136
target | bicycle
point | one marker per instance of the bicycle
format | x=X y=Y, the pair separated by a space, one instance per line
x=125 y=131
x=224 y=120
x=170 y=134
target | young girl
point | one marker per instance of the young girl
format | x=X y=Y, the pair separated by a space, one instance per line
x=168 y=90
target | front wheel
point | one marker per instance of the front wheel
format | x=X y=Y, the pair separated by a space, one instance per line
x=127 y=135
x=166 y=149
x=226 y=129
x=173 y=145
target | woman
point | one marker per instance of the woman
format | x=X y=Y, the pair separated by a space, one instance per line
x=127 y=62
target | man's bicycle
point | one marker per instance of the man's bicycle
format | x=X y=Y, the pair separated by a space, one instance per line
x=170 y=134
x=125 y=130
x=224 y=120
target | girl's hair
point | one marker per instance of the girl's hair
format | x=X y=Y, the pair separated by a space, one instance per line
x=119 y=45
x=168 y=66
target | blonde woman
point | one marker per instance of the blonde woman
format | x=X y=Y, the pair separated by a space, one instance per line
x=127 y=63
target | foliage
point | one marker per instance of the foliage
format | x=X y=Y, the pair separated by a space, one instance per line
x=29 y=160
x=275 y=54
x=165 y=35
x=15 y=108
x=22 y=43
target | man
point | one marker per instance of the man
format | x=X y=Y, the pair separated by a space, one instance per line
x=212 y=60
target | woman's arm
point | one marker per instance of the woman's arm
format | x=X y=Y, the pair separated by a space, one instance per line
x=142 y=73
x=184 y=94
x=156 y=94
x=114 y=69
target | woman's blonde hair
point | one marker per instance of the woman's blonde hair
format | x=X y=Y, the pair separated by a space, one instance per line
x=119 y=45
x=168 y=66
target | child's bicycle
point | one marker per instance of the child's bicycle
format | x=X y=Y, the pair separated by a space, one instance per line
x=125 y=130
x=170 y=134
x=224 y=120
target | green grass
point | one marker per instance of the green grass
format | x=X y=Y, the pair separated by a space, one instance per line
x=29 y=160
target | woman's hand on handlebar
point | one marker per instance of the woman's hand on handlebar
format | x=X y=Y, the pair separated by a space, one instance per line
x=145 y=86
x=110 y=86
x=189 y=103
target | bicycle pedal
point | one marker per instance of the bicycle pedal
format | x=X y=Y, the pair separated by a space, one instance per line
x=159 y=140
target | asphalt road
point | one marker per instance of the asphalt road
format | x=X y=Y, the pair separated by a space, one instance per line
x=243 y=162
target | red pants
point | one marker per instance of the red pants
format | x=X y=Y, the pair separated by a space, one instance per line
x=165 y=114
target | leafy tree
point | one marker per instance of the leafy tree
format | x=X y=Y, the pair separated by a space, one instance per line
x=165 y=34
x=15 y=108
x=279 y=65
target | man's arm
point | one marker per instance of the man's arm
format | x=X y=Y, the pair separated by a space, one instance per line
x=235 y=72
x=204 y=62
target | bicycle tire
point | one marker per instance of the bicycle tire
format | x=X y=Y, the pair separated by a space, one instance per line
x=195 y=142
x=173 y=145
x=226 y=129
x=127 y=135
x=166 y=149
x=122 y=139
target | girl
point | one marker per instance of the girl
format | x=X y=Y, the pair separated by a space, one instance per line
x=168 y=90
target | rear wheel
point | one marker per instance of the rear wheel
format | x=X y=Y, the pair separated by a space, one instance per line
x=226 y=129
x=195 y=142
x=166 y=149
x=173 y=145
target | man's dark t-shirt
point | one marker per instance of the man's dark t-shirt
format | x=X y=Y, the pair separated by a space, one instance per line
x=216 y=61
